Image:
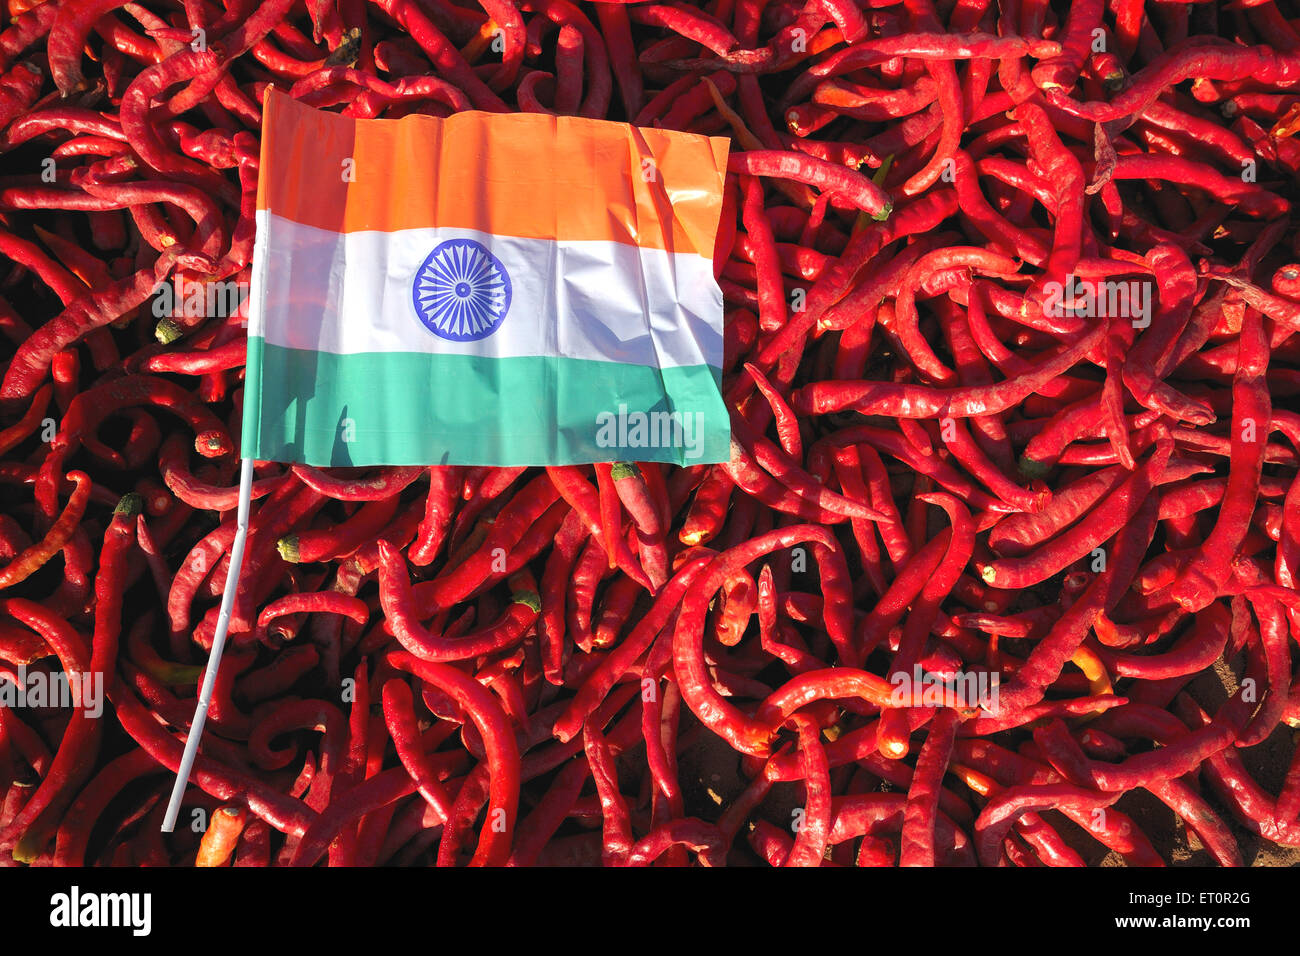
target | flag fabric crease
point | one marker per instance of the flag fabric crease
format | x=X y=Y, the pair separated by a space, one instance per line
x=489 y=289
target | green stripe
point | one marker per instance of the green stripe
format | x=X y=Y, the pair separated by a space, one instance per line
x=252 y=387
x=403 y=408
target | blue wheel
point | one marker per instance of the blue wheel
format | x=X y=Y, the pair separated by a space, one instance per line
x=461 y=291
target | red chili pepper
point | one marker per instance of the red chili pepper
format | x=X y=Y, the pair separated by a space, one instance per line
x=602 y=679
x=397 y=599
x=611 y=514
x=32 y=559
x=73 y=760
x=1112 y=513
x=617 y=827
x=917 y=401
x=850 y=186
x=632 y=488
x=437 y=515
x=18 y=432
x=79 y=819
x=502 y=753
x=814 y=830
x=324 y=544
x=376 y=488
x=330 y=602
x=400 y=717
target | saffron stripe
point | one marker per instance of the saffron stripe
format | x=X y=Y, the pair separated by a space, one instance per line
x=530 y=175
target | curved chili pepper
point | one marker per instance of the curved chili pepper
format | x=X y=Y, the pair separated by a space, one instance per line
x=1252 y=407
x=32 y=559
x=91 y=311
x=376 y=488
x=173 y=464
x=18 y=432
x=918 y=401
x=502 y=753
x=324 y=544
x=1112 y=513
x=81 y=739
x=397 y=599
x=331 y=602
x=814 y=830
x=745 y=734
x=437 y=515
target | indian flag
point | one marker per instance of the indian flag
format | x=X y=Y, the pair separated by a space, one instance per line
x=490 y=289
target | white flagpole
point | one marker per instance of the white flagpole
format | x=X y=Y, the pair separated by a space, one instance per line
x=218 y=645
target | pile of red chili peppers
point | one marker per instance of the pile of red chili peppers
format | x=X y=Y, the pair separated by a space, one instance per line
x=951 y=461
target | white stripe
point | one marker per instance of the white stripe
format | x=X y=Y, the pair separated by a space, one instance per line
x=352 y=292
x=256 y=305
